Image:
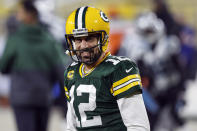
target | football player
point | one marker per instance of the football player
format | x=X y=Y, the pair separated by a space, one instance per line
x=104 y=92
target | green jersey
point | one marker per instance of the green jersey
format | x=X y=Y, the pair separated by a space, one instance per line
x=93 y=95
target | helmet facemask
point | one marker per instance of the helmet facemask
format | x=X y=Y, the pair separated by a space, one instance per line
x=93 y=52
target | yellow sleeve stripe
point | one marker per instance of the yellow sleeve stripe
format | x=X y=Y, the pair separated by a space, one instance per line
x=126 y=88
x=117 y=83
x=67 y=96
x=126 y=83
x=65 y=88
x=66 y=92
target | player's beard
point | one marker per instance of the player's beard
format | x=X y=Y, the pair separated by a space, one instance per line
x=91 y=55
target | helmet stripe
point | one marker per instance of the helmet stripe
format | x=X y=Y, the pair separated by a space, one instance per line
x=83 y=17
x=80 y=17
x=76 y=18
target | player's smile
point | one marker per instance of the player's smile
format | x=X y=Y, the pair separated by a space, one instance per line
x=85 y=56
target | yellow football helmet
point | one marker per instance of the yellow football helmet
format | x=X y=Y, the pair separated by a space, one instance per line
x=83 y=22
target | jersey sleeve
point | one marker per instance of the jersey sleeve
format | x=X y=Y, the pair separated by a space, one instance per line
x=66 y=85
x=68 y=77
x=126 y=80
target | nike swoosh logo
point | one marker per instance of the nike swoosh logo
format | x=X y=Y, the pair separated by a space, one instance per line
x=127 y=71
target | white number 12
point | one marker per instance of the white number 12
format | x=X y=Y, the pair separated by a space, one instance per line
x=91 y=106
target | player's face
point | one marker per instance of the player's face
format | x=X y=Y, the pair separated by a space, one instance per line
x=87 y=49
x=21 y=14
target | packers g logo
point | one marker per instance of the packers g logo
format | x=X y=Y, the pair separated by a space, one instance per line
x=70 y=74
x=103 y=16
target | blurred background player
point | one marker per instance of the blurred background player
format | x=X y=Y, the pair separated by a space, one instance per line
x=158 y=58
x=34 y=60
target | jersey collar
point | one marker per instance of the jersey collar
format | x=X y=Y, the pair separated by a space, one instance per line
x=82 y=71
